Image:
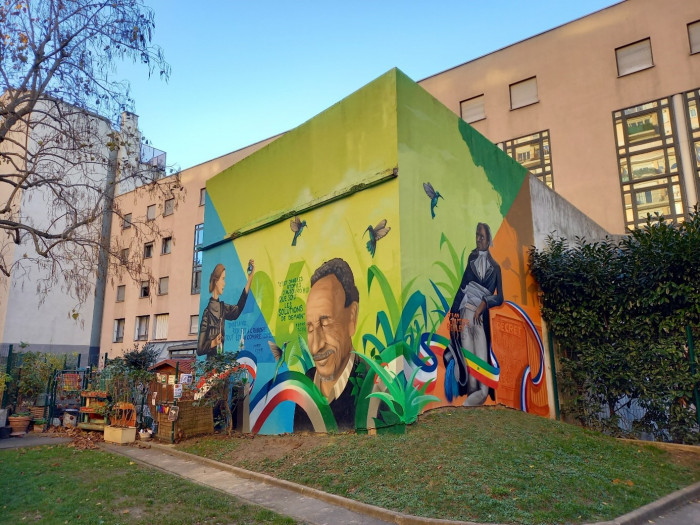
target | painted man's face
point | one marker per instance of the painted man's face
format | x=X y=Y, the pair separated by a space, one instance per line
x=482 y=239
x=330 y=326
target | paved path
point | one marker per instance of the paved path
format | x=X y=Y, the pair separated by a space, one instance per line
x=301 y=507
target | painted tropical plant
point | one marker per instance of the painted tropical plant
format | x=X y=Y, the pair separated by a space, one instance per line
x=397 y=335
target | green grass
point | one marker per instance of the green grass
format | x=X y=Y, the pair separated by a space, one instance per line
x=488 y=465
x=58 y=484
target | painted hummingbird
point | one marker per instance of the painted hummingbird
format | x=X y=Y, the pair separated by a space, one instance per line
x=433 y=195
x=297 y=226
x=376 y=233
x=279 y=355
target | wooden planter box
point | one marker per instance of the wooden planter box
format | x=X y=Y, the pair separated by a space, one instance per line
x=191 y=421
x=120 y=435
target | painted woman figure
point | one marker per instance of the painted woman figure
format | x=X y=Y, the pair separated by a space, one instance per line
x=481 y=289
x=212 y=332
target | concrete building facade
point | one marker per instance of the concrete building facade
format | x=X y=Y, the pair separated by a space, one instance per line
x=50 y=317
x=603 y=109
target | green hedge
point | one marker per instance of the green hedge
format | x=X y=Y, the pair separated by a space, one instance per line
x=620 y=312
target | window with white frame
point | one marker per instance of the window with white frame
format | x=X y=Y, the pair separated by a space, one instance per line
x=194 y=324
x=694 y=37
x=523 y=93
x=634 y=57
x=168 y=207
x=163 y=285
x=145 y=289
x=151 y=212
x=141 y=328
x=126 y=223
x=121 y=292
x=148 y=250
x=118 y=335
x=160 y=326
x=166 y=246
x=472 y=109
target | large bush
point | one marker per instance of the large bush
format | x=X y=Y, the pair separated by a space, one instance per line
x=621 y=312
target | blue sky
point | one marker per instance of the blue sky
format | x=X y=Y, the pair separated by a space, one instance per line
x=243 y=71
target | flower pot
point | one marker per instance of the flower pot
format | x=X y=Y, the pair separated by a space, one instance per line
x=19 y=424
x=120 y=435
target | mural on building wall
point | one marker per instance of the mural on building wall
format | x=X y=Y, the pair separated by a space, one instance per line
x=384 y=305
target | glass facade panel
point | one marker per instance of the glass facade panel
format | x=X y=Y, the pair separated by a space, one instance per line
x=197 y=259
x=648 y=168
x=533 y=152
x=693 y=106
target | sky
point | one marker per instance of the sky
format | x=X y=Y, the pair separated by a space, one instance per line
x=243 y=71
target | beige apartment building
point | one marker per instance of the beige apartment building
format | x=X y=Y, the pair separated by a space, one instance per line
x=163 y=307
x=603 y=109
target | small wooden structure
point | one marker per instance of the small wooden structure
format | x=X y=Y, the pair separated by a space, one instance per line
x=186 y=420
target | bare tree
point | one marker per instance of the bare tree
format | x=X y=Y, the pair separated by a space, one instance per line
x=61 y=160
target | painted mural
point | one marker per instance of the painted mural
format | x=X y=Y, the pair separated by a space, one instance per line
x=356 y=293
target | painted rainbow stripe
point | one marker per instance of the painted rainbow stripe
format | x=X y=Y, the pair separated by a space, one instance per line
x=249 y=363
x=481 y=370
x=295 y=387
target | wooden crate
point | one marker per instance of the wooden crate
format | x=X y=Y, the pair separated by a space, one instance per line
x=191 y=421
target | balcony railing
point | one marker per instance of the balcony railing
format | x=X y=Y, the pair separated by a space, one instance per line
x=153 y=157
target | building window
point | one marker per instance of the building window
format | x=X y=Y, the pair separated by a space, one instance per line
x=141 y=328
x=472 y=109
x=148 y=250
x=124 y=255
x=194 y=324
x=197 y=259
x=694 y=37
x=126 y=222
x=145 y=290
x=118 y=335
x=533 y=152
x=167 y=245
x=523 y=93
x=169 y=207
x=648 y=167
x=151 y=212
x=163 y=285
x=160 y=326
x=693 y=105
x=634 y=57
x=121 y=291
x=202 y=196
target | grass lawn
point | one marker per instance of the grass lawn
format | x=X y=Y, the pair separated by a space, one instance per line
x=488 y=464
x=58 y=484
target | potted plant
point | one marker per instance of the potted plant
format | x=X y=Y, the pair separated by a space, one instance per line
x=34 y=374
x=127 y=376
x=20 y=421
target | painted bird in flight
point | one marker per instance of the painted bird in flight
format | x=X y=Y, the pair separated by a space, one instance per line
x=279 y=355
x=434 y=196
x=297 y=226
x=376 y=233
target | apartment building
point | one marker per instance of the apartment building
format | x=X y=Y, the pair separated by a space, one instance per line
x=603 y=109
x=39 y=305
x=161 y=308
